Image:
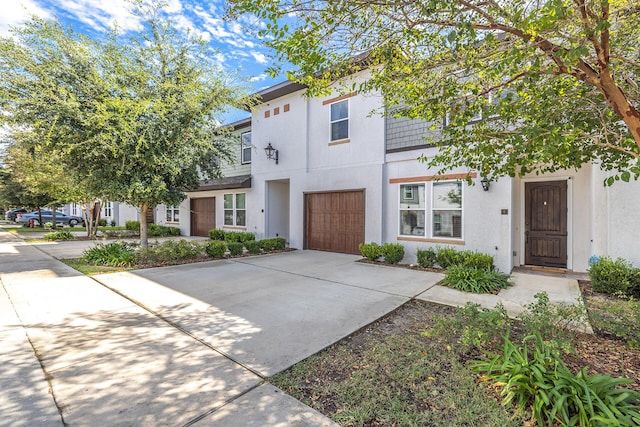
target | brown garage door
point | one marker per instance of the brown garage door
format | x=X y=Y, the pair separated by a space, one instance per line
x=203 y=216
x=334 y=221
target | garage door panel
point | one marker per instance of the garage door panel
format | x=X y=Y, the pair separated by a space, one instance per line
x=335 y=221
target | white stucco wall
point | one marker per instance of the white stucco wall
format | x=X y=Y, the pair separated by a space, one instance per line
x=623 y=223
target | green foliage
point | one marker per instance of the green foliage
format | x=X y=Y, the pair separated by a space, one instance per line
x=427 y=257
x=476 y=280
x=156 y=230
x=60 y=235
x=616 y=317
x=102 y=222
x=371 y=251
x=115 y=254
x=113 y=223
x=446 y=257
x=239 y=236
x=216 y=248
x=393 y=252
x=552 y=321
x=170 y=250
x=253 y=247
x=216 y=234
x=235 y=248
x=132 y=225
x=539 y=379
x=617 y=277
x=272 y=244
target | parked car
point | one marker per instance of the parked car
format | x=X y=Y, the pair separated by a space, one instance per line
x=48 y=217
x=12 y=213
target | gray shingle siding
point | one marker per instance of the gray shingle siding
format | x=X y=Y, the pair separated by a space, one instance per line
x=403 y=133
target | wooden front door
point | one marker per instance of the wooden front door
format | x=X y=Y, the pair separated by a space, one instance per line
x=546 y=223
x=203 y=216
x=334 y=221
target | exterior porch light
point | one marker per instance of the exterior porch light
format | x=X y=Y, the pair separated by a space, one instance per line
x=271 y=152
x=485 y=184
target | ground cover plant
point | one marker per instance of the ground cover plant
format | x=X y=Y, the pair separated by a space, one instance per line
x=59 y=235
x=115 y=254
x=413 y=368
x=474 y=279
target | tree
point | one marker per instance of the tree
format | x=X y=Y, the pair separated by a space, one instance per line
x=557 y=79
x=135 y=118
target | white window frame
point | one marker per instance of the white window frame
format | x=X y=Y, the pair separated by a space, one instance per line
x=107 y=209
x=245 y=148
x=172 y=214
x=332 y=122
x=234 y=210
x=402 y=193
x=433 y=209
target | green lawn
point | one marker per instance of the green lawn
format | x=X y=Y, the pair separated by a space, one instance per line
x=90 y=269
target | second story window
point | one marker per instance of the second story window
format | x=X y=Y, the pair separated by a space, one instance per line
x=340 y=120
x=246 y=147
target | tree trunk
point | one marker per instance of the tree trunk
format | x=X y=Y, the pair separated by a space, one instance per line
x=144 y=234
x=621 y=105
x=40 y=217
x=53 y=217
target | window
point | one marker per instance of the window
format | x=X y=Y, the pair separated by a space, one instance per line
x=340 y=120
x=74 y=209
x=412 y=210
x=246 y=147
x=173 y=213
x=107 y=210
x=446 y=210
x=235 y=213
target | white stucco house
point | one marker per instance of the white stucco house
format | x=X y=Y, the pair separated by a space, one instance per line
x=342 y=176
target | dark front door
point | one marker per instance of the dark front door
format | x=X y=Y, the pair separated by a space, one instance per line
x=203 y=216
x=334 y=221
x=546 y=223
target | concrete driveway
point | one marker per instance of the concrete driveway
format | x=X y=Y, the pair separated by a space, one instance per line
x=177 y=346
x=269 y=312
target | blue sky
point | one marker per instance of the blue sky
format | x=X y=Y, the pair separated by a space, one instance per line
x=235 y=48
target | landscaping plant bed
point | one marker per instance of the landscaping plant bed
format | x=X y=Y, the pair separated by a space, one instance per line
x=410 y=368
x=406 y=266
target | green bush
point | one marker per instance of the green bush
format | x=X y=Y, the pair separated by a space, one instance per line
x=537 y=378
x=279 y=243
x=371 y=251
x=116 y=254
x=132 y=225
x=239 y=236
x=267 y=245
x=617 y=277
x=216 y=234
x=156 y=230
x=253 y=247
x=102 y=222
x=235 y=248
x=170 y=250
x=427 y=257
x=59 y=235
x=476 y=259
x=216 y=248
x=446 y=257
x=393 y=252
x=616 y=317
x=476 y=280
x=113 y=222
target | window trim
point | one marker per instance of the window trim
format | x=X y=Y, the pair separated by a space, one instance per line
x=432 y=209
x=234 y=210
x=244 y=148
x=173 y=210
x=107 y=209
x=347 y=119
x=415 y=193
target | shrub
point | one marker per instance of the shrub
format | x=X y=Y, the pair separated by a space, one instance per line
x=253 y=247
x=170 y=250
x=156 y=230
x=476 y=259
x=102 y=222
x=427 y=257
x=59 y=235
x=393 y=252
x=235 y=248
x=267 y=245
x=116 y=254
x=215 y=248
x=132 y=225
x=616 y=317
x=538 y=377
x=371 y=251
x=446 y=257
x=279 y=243
x=113 y=222
x=476 y=280
x=615 y=277
x=239 y=236
x=216 y=234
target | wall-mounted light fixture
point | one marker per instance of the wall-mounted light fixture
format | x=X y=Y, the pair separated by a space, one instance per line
x=271 y=152
x=485 y=184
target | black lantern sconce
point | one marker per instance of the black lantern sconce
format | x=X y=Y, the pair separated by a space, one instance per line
x=485 y=184
x=271 y=152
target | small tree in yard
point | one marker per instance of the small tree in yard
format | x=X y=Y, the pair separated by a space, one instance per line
x=134 y=119
x=556 y=81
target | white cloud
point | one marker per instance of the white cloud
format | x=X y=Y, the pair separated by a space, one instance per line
x=259 y=57
x=17 y=12
x=259 y=78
